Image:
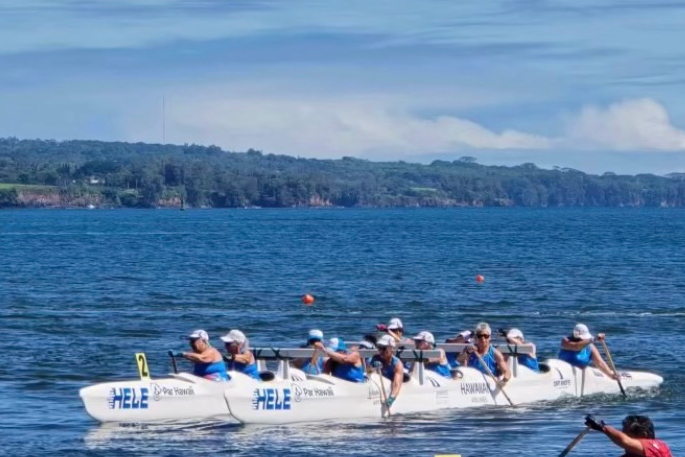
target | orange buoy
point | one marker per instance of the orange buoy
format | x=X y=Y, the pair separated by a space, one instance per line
x=480 y=278
x=308 y=299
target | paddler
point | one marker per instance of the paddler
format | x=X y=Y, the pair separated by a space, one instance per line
x=515 y=336
x=389 y=365
x=395 y=329
x=238 y=354
x=426 y=341
x=492 y=358
x=208 y=361
x=637 y=436
x=315 y=364
x=464 y=337
x=578 y=350
x=342 y=363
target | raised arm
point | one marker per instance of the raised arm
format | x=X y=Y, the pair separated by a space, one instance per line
x=633 y=446
x=246 y=357
x=566 y=343
x=599 y=362
x=352 y=358
x=503 y=366
x=397 y=380
x=208 y=356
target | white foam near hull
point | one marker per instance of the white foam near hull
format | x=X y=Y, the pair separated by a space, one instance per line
x=300 y=398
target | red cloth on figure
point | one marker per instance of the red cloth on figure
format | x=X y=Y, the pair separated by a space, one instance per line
x=656 y=448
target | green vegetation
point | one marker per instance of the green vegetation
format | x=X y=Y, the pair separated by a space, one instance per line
x=77 y=173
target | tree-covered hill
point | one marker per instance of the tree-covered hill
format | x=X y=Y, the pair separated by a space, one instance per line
x=81 y=173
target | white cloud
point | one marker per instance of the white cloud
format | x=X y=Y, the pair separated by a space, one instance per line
x=639 y=124
x=321 y=127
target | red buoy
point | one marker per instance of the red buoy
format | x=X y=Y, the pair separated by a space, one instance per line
x=308 y=299
x=480 y=278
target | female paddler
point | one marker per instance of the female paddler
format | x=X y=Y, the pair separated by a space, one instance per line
x=389 y=365
x=207 y=360
x=239 y=356
x=493 y=359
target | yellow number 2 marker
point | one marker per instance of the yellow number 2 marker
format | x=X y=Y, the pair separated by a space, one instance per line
x=143 y=370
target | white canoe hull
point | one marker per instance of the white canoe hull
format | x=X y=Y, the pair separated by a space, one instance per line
x=313 y=398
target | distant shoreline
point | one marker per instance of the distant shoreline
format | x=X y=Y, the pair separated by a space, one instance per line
x=81 y=174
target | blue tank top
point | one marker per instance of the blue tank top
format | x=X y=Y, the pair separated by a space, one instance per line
x=249 y=369
x=488 y=358
x=349 y=372
x=317 y=368
x=529 y=361
x=442 y=370
x=214 y=371
x=452 y=360
x=387 y=371
x=580 y=359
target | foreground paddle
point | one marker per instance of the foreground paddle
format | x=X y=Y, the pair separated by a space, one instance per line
x=494 y=378
x=384 y=396
x=613 y=367
x=575 y=441
x=173 y=361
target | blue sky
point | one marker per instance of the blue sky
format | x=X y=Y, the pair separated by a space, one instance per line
x=594 y=85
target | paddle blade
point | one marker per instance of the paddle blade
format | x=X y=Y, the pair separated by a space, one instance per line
x=575 y=441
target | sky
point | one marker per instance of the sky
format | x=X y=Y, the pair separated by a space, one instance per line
x=593 y=85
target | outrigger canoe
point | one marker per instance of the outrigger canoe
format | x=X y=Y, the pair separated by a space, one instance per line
x=290 y=396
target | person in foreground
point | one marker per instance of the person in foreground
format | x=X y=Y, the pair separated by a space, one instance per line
x=238 y=353
x=426 y=341
x=389 y=365
x=493 y=359
x=207 y=361
x=342 y=363
x=315 y=364
x=515 y=336
x=637 y=437
x=578 y=350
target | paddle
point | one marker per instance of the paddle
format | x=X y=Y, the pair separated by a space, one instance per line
x=613 y=367
x=314 y=361
x=384 y=397
x=395 y=336
x=575 y=441
x=173 y=361
x=494 y=378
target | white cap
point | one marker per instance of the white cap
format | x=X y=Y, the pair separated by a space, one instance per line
x=366 y=345
x=581 y=331
x=198 y=335
x=386 y=340
x=425 y=336
x=234 y=335
x=483 y=327
x=466 y=334
x=315 y=335
x=515 y=333
x=395 y=323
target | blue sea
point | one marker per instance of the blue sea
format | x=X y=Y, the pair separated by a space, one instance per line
x=82 y=291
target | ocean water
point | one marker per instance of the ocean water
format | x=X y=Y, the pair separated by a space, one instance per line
x=82 y=291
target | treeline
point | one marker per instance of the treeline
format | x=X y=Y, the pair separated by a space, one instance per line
x=149 y=175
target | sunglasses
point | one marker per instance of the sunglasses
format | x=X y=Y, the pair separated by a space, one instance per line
x=483 y=336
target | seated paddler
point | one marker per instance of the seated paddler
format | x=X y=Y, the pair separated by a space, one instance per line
x=515 y=337
x=426 y=341
x=238 y=354
x=483 y=350
x=577 y=349
x=313 y=365
x=208 y=362
x=342 y=363
x=389 y=365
